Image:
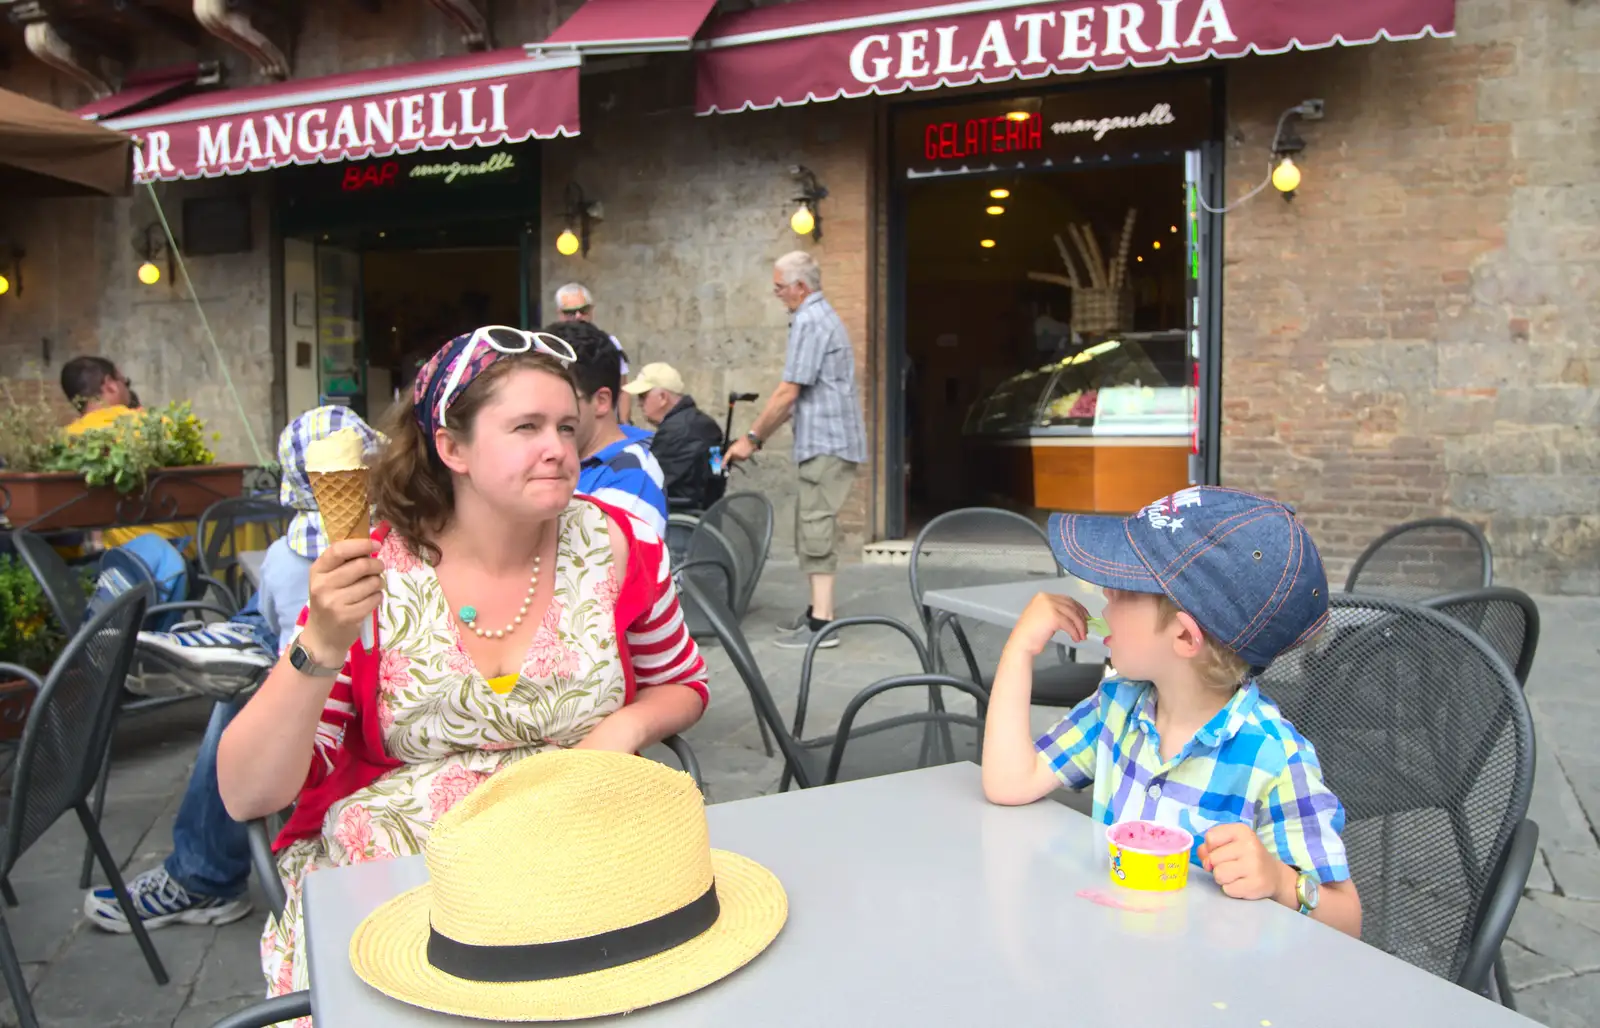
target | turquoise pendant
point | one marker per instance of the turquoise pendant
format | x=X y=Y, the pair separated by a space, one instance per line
x=469 y=614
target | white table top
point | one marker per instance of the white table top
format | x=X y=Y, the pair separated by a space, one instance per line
x=250 y=562
x=1003 y=604
x=913 y=901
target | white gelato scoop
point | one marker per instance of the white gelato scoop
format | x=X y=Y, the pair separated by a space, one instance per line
x=344 y=450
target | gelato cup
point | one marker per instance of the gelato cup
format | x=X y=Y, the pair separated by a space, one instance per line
x=1149 y=856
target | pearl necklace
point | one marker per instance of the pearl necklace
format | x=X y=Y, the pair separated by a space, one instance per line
x=469 y=613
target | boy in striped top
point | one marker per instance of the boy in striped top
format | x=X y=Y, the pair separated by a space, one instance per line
x=617 y=465
x=1204 y=589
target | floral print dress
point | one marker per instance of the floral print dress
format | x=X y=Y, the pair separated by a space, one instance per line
x=450 y=726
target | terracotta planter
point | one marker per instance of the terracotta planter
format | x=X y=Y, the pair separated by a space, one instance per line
x=16 y=699
x=40 y=501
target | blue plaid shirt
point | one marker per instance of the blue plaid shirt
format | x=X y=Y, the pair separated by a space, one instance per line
x=1246 y=764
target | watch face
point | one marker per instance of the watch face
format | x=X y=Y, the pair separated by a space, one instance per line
x=1309 y=891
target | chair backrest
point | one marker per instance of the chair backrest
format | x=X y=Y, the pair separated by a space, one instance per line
x=1508 y=620
x=221 y=522
x=977 y=546
x=65 y=737
x=1418 y=559
x=63 y=587
x=1424 y=735
x=745 y=521
x=713 y=606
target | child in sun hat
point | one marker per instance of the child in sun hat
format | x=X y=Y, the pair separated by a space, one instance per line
x=1203 y=590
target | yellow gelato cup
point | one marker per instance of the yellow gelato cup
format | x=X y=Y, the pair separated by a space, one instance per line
x=1149 y=856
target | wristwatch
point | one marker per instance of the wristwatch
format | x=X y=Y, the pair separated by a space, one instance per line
x=300 y=660
x=1307 y=890
x=755 y=440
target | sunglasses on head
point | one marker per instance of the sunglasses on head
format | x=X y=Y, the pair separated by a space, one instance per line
x=507 y=340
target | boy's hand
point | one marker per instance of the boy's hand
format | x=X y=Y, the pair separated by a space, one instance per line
x=1046 y=615
x=1234 y=855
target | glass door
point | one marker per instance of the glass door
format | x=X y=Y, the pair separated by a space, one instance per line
x=1203 y=275
x=340 y=349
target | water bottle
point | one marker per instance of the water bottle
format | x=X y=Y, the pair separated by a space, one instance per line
x=716 y=460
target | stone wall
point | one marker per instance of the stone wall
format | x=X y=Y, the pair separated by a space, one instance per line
x=1415 y=333
x=696 y=210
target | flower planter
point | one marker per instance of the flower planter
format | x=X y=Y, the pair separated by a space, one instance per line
x=16 y=699
x=41 y=501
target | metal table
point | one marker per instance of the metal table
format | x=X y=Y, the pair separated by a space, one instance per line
x=913 y=901
x=250 y=562
x=1004 y=603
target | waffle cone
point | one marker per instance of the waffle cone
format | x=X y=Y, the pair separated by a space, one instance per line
x=343 y=502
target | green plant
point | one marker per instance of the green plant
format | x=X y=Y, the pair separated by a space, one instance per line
x=28 y=634
x=30 y=428
x=123 y=454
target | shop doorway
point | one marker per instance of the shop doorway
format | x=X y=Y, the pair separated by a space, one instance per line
x=1056 y=299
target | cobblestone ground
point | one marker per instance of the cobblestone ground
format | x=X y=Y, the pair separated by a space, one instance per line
x=81 y=977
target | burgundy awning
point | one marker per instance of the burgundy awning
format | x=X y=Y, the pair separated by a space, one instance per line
x=144 y=90
x=484 y=99
x=628 y=27
x=813 y=50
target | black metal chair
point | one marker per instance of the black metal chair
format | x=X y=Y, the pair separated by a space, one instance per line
x=980 y=546
x=801 y=763
x=744 y=520
x=1425 y=736
x=63 y=745
x=268 y=1012
x=218 y=535
x=64 y=591
x=1508 y=620
x=1419 y=559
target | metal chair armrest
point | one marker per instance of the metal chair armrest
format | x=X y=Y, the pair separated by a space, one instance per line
x=1501 y=905
x=922 y=681
x=266 y=867
x=706 y=562
x=686 y=758
x=269 y=1012
x=18 y=671
x=840 y=625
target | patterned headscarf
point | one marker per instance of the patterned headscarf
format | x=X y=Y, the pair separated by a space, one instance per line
x=434 y=378
x=306 y=535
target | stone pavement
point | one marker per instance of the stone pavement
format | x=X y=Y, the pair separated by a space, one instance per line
x=81 y=977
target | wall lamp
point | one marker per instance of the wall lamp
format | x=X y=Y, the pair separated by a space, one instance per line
x=11 y=277
x=151 y=245
x=807 y=218
x=1286 y=143
x=581 y=213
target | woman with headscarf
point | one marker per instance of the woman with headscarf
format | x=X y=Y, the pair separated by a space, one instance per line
x=507 y=618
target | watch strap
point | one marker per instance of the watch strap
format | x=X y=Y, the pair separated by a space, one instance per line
x=755 y=440
x=301 y=660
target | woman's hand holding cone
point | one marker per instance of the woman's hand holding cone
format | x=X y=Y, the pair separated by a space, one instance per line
x=346 y=587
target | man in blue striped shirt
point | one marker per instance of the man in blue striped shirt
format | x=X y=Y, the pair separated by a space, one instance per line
x=617 y=466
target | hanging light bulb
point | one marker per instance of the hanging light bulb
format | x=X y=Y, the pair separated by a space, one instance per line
x=149 y=274
x=1286 y=176
x=567 y=243
x=803 y=221
x=5 y=285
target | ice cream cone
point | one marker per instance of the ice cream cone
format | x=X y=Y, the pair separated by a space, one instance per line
x=343 y=501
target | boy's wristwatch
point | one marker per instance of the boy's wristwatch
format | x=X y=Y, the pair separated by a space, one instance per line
x=1307 y=890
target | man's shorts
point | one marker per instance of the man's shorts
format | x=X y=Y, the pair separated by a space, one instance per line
x=825 y=481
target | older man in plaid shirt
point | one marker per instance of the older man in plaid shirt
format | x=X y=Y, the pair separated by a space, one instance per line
x=203 y=880
x=830 y=436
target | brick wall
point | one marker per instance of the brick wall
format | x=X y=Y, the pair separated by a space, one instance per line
x=696 y=210
x=1414 y=333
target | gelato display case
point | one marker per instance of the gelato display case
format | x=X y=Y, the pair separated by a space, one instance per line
x=1106 y=428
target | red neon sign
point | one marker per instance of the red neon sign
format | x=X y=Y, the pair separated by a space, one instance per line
x=948 y=140
x=370 y=176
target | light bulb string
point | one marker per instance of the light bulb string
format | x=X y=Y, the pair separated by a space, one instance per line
x=205 y=323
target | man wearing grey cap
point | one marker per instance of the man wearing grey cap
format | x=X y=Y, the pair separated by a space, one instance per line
x=574 y=302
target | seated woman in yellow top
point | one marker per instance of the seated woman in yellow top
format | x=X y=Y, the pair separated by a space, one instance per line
x=104 y=394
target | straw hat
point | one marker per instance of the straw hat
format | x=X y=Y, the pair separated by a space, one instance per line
x=575 y=883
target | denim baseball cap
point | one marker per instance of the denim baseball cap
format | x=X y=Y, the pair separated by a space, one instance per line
x=1241 y=565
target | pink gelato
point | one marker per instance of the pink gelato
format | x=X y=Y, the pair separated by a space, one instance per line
x=1149 y=837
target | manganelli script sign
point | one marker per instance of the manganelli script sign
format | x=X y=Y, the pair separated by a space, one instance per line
x=455 y=169
x=1160 y=114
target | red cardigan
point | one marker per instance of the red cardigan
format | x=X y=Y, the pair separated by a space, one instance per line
x=349 y=752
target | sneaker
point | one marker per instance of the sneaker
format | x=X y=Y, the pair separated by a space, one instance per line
x=224 y=648
x=800 y=638
x=794 y=624
x=161 y=901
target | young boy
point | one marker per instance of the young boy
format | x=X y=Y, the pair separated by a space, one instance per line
x=1203 y=589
